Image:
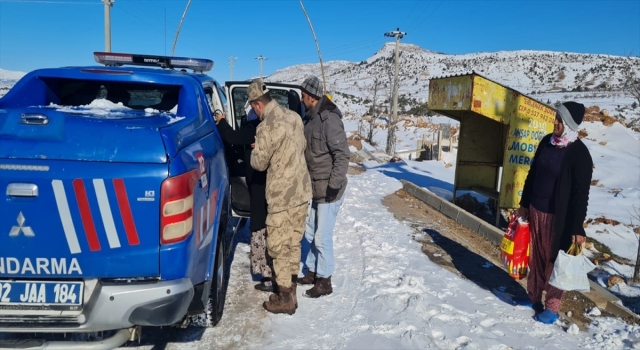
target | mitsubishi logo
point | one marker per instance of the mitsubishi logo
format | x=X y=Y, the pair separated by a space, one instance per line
x=15 y=230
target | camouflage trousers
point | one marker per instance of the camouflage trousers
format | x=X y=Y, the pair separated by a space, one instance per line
x=260 y=264
x=285 y=230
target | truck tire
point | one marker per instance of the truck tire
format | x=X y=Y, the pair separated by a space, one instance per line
x=219 y=282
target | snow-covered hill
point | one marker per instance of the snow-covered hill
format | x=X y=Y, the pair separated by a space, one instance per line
x=8 y=79
x=529 y=72
x=10 y=75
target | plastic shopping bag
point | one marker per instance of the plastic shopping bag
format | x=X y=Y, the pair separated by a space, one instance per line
x=514 y=249
x=570 y=270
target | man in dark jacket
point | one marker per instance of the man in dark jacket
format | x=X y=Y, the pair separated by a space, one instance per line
x=327 y=156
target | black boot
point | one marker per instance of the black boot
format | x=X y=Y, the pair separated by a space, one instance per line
x=309 y=278
x=294 y=289
x=282 y=303
x=322 y=287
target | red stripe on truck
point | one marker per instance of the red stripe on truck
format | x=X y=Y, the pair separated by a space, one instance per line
x=125 y=212
x=85 y=215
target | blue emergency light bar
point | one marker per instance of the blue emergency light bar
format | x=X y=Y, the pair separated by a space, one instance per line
x=119 y=59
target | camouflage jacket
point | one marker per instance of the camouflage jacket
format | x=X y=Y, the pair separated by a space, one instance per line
x=279 y=149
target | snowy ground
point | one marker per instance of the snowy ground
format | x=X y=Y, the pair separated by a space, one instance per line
x=387 y=295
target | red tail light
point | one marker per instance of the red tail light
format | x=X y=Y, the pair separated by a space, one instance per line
x=176 y=207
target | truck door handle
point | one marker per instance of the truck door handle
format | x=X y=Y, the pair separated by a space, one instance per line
x=34 y=119
x=22 y=190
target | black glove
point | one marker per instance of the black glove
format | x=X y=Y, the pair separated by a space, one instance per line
x=332 y=193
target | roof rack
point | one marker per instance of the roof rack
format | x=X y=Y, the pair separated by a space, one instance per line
x=118 y=59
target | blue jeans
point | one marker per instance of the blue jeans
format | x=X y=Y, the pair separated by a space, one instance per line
x=318 y=236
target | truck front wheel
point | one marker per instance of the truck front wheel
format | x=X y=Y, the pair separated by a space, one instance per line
x=218 y=286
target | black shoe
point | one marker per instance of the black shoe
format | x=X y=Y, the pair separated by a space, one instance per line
x=264 y=287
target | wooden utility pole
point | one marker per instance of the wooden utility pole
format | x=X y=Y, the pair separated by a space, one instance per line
x=391 y=134
x=324 y=81
x=175 y=41
x=232 y=60
x=107 y=24
x=260 y=58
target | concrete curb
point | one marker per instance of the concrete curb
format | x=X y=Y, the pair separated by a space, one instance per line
x=461 y=216
x=599 y=295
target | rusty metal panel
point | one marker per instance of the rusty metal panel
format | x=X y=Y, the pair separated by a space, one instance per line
x=450 y=94
x=468 y=176
x=530 y=122
x=479 y=139
x=492 y=100
x=479 y=152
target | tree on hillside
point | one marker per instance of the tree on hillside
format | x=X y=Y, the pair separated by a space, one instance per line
x=635 y=216
x=632 y=81
x=633 y=86
x=371 y=94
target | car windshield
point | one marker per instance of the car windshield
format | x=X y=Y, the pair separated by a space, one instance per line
x=136 y=96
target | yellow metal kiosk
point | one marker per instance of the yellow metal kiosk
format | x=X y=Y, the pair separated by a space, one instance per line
x=500 y=129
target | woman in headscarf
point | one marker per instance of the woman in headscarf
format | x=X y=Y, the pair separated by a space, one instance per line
x=554 y=200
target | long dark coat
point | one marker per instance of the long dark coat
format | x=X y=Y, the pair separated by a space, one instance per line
x=256 y=180
x=572 y=192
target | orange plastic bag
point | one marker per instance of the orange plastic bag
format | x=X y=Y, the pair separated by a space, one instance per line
x=514 y=249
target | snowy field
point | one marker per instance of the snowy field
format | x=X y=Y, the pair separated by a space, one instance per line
x=387 y=295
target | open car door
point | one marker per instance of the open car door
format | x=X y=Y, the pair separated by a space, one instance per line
x=287 y=95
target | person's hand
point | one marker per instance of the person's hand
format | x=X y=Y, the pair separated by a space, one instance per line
x=523 y=213
x=332 y=193
x=253 y=145
x=578 y=239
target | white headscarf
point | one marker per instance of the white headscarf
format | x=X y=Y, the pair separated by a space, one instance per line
x=568 y=136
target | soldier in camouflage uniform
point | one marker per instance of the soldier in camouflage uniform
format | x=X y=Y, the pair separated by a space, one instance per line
x=279 y=149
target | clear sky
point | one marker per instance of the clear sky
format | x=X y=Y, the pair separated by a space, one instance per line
x=51 y=33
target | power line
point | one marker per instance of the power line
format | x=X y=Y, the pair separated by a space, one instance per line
x=337 y=50
x=417 y=18
x=54 y=2
x=119 y=8
x=413 y=9
x=414 y=23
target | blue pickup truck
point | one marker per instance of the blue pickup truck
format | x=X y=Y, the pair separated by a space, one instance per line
x=118 y=191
